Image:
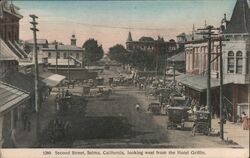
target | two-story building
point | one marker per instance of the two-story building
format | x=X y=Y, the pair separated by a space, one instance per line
x=159 y=46
x=235 y=65
x=62 y=56
x=236 y=54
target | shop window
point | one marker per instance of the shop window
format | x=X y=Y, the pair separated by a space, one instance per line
x=239 y=64
x=64 y=56
x=77 y=55
x=230 y=64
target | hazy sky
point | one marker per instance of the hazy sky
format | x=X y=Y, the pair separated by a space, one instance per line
x=110 y=21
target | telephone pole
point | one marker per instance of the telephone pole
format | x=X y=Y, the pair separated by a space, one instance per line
x=56 y=47
x=209 y=33
x=68 y=71
x=221 y=93
x=37 y=93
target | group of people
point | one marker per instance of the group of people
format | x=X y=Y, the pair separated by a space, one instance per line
x=58 y=129
x=62 y=98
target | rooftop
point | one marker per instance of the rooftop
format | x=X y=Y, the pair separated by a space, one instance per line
x=240 y=20
x=10 y=96
x=39 y=41
x=6 y=7
x=52 y=47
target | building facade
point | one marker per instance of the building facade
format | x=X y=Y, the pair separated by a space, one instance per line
x=236 y=53
x=64 y=55
x=236 y=48
x=149 y=44
x=9 y=28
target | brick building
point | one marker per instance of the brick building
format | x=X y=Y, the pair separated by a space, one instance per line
x=235 y=65
x=159 y=46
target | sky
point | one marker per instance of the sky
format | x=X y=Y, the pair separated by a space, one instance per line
x=110 y=21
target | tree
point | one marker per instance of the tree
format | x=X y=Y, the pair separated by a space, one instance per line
x=93 y=51
x=118 y=53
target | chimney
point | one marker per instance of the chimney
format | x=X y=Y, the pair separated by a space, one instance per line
x=73 y=40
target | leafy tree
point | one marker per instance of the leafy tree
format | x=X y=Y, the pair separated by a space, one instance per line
x=118 y=53
x=143 y=60
x=93 y=51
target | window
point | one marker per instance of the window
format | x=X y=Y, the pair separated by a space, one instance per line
x=49 y=55
x=230 y=64
x=64 y=56
x=77 y=55
x=239 y=64
x=58 y=55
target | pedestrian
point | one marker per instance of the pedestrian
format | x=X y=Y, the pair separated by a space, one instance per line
x=137 y=107
x=244 y=121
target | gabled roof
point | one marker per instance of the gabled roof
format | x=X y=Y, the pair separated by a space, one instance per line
x=240 y=20
x=39 y=41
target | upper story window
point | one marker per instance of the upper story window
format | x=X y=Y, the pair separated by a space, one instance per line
x=230 y=64
x=58 y=55
x=49 y=55
x=239 y=64
x=64 y=56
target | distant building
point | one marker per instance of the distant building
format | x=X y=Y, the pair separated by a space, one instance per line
x=29 y=45
x=151 y=45
x=64 y=55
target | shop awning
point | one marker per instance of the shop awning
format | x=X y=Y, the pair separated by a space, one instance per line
x=197 y=82
x=51 y=79
x=10 y=96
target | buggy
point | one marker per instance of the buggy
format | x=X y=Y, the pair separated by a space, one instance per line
x=201 y=123
x=177 y=117
x=155 y=108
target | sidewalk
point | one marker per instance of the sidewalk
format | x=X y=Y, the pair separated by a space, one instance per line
x=26 y=139
x=233 y=131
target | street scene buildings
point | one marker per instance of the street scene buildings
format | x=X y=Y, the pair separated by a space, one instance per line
x=189 y=92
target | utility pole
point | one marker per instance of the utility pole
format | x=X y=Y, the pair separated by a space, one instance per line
x=165 y=69
x=56 y=47
x=37 y=92
x=221 y=93
x=68 y=70
x=209 y=34
x=209 y=74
